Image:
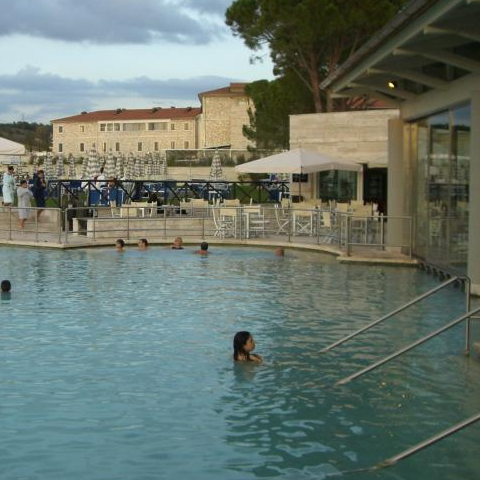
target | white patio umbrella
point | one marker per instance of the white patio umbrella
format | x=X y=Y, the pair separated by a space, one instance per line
x=71 y=167
x=216 y=172
x=298 y=161
x=48 y=166
x=110 y=165
x=93 y=167
x=60 y=166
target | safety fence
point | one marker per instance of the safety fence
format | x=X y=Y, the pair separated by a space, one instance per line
x=201 y=220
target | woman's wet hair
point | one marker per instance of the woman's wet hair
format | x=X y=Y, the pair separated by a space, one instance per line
x=120 y=242
x=239 y=341
x=204 y=246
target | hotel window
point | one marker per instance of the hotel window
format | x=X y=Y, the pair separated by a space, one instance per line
x=139 y=146
x=102 y=127
x=172 y=126
x=172 y=145
x=117 y=127
x=60 y=147
x=157 y=126
x=155 y=146
x=133 y=127
x=60 y=129
x=185 y=126
x=109 y=127
x=186 y=145
x=82 y=147
x=117 y=147
x=104 y=146
x=82 y=128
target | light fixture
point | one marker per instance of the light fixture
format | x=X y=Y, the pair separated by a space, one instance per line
x=392 y=84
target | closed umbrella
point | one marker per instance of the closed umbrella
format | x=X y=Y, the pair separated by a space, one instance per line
x=130 y=168
x=60 y=166
x=71 y=167
x=110 y=165
x=35 y=163
x=149 y=165
x=48 y=166
x=216 y=172
x=84 y=167
x=93 y=168
x=162 y=166
x=119 y=166
x=138 y=168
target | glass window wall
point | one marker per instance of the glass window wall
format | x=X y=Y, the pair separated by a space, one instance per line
x=337 y=185
x=441 y=193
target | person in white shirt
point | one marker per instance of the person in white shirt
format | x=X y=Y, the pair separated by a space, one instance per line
x=24 y=195
x=8 y=188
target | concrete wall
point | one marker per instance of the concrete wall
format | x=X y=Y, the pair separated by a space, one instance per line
x=360 y=136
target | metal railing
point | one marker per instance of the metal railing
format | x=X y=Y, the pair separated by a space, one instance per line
x=203 y=220
x=466 y=316
x=93 y=192
x=394 y=312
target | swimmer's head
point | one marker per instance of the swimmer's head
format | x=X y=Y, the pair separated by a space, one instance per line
x=143 y=243
x=119 y=244
x=243 y=344
x=204 y=246
x=6 y=286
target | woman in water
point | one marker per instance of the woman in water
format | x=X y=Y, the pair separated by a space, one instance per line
x=243 y=345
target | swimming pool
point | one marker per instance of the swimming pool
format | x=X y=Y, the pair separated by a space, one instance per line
x=118 y=366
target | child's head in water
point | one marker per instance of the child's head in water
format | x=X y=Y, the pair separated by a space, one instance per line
x=119 y=244
x=243 y=345
x=6 y=286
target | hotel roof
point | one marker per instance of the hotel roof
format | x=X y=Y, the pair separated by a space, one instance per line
x=234 y=89
x=122 y=114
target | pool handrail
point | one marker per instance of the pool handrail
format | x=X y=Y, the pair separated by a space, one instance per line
x=465 y=316
x=430 y=441
x=392 y=313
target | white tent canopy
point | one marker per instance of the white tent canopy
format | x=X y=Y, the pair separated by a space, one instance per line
x=298 y=160
x=10 y=149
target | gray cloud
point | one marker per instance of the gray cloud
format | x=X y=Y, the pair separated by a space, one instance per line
x=217 y=7
x=112 y=21
x=42 y=96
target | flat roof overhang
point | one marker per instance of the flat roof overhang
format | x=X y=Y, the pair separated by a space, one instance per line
x=426 y=47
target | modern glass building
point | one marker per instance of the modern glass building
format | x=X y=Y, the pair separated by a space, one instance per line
x=426 y=62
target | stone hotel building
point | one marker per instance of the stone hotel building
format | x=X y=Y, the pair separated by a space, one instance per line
x=217 y=123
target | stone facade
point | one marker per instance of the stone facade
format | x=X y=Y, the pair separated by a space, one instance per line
x=218 y=123
x=360 y=136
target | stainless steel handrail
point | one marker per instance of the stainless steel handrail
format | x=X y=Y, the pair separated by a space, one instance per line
x=430 y=441
x=463 y=317
x=391 y=314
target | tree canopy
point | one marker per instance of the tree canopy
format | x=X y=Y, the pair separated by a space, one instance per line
x=309 y=37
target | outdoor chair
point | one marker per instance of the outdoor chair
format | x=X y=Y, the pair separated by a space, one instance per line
x=283 y=220
x=255 y=222
x=303 y=219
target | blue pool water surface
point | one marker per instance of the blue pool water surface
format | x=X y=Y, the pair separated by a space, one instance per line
x=118 y=366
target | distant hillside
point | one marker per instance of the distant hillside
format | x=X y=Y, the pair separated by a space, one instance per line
x=35 y=136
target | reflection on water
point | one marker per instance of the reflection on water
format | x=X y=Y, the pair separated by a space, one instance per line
x=123 y=363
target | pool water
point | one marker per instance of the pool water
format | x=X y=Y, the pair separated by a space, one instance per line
x=118 y=366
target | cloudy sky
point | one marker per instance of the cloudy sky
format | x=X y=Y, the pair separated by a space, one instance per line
x=60 y=57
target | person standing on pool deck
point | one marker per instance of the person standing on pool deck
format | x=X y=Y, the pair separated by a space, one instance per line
x=39 y=187
x=24 y=195
x=203 y=249
x=8 y=188
x=243 y=345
